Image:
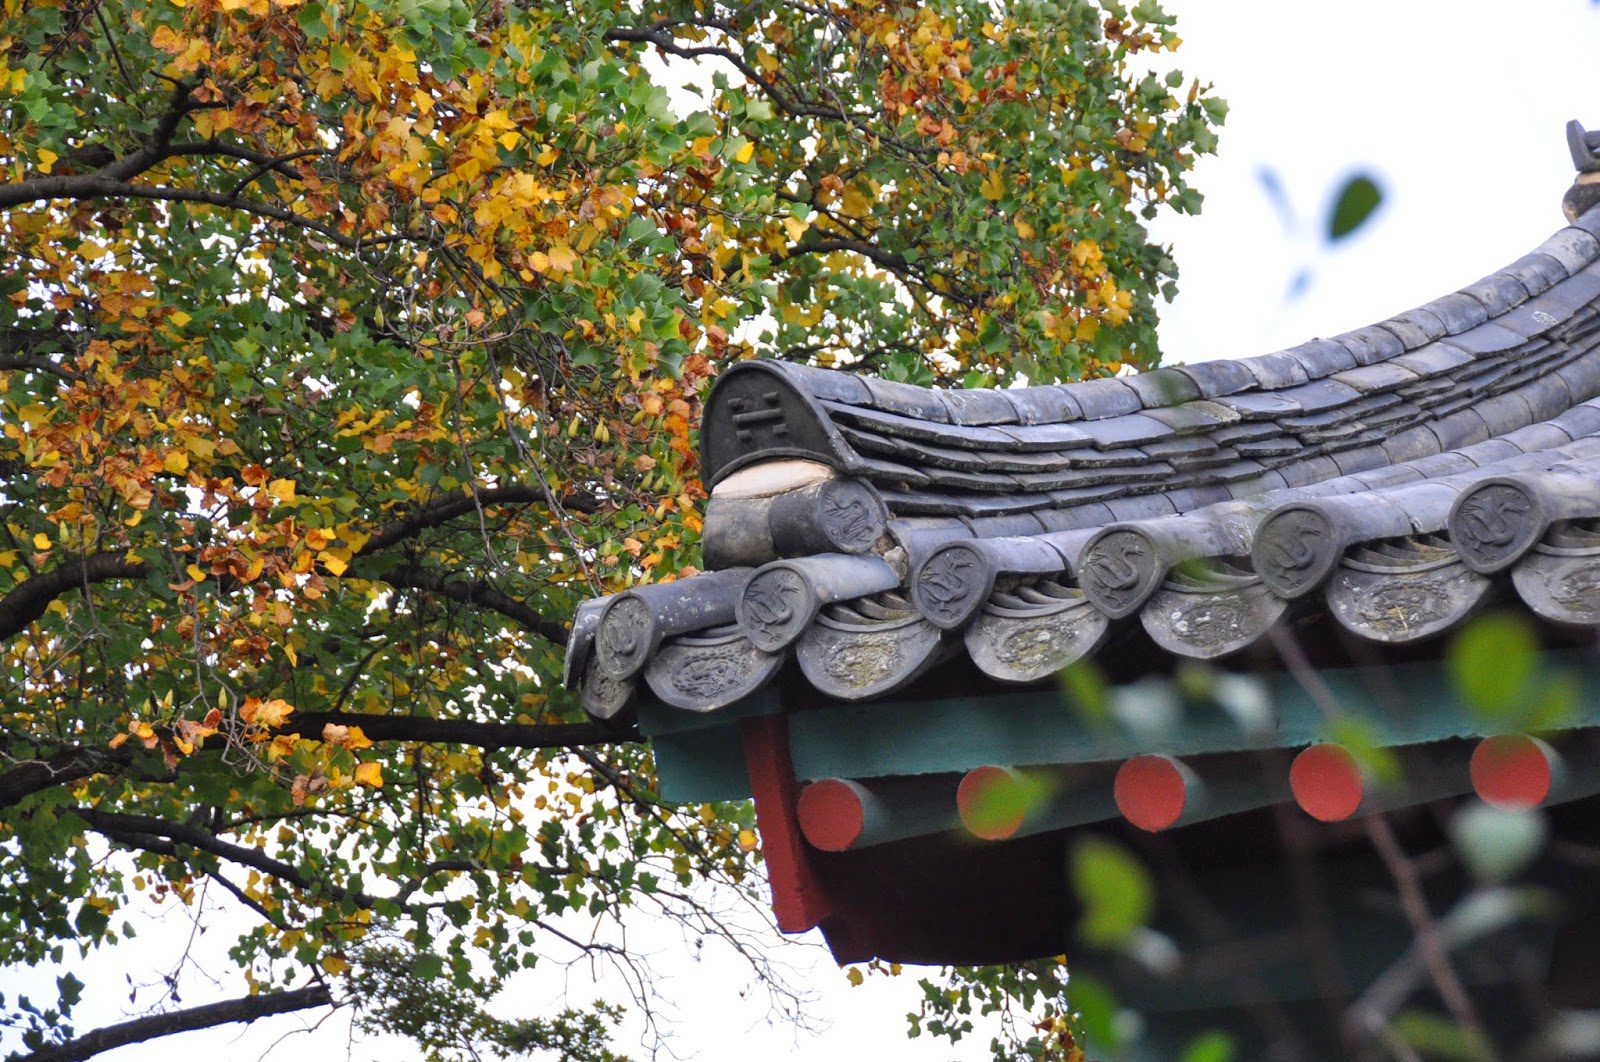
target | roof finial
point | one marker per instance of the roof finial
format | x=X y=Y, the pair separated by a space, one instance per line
x=1585 y=191
x=1583 y=143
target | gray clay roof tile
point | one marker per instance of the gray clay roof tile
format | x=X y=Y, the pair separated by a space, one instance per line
x=1386 y=426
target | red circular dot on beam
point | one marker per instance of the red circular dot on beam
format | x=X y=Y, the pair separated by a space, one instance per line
x=1327 y=783
x=988 y=800
x=831 y=815
x=1510 y=771
x=1151 y=792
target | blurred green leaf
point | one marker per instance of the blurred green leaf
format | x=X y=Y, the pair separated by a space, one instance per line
x=1151 y=707
x=1196 y=680
x=1214 y=1046
x=1439 y=1037
x=1362 y=740
x=1115 y=890
x=1492 y=662
x=1357 y=200
x=1085 y=690
x=1009 y=798
x=1095 y=1007
x=1552 y=707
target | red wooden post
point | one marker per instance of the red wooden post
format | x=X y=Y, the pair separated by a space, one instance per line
x=798 y=898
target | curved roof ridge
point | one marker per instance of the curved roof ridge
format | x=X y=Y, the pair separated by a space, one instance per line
x=1565 y=253
x=1447 y=363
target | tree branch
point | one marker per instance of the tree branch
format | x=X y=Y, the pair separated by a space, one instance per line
x=61 y=768
x=138 y=830
x=443 y=509
x=462 y=731
x=72 y=764
x=28 y=600
x=477 y=592
x=244 y=1009
x=98 y=186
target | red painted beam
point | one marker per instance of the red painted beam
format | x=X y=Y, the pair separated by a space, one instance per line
x=1327 y=783
x=1513 y=770
x=840 y=815
x=991 y=802
x=1155 y=792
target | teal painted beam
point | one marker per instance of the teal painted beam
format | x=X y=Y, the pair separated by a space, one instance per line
x=1039 y=727
x=699 y=758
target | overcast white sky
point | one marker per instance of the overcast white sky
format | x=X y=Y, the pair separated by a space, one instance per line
x=1457 y=108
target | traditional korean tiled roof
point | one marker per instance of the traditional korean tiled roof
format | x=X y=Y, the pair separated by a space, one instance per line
x=1394 y=477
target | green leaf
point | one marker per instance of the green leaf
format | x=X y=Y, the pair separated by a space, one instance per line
x=1497 y=843
x=311 y=21
x=1095 y=1007
x=1214 y=1046
x=1492 y=662
x=1085 y=690
x=1114 y=889
x=1357 y=200
x=1439 y=1037
x=1361 y=739
x=1009 y=798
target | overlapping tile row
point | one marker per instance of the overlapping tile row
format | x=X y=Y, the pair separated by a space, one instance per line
x=1392 y=476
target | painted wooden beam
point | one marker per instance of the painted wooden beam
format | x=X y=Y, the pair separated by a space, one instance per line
x=1513 y=770
x=998 y=803
x=839 y=815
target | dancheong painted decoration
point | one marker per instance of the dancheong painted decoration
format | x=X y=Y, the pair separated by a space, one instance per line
x=897 y=575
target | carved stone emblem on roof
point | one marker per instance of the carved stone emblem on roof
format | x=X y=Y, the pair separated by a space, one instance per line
x=775 y=608
x=1020 y=640
x=1493 y=525
x=1119 y=571
x=850 y=517
x=951 y=585
x=625 y=638
x=603 y=696
x=704 y=672
x=1294 y=550
x=1582 y=144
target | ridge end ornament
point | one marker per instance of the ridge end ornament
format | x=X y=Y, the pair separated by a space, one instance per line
x=952 y=585
x=1295 y=549
x=851 y=516
x=1494 y=524
x=1120 y=568
x=625 y=637
x=776 y=607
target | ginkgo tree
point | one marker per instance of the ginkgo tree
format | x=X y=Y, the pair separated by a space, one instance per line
x=345 y=345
